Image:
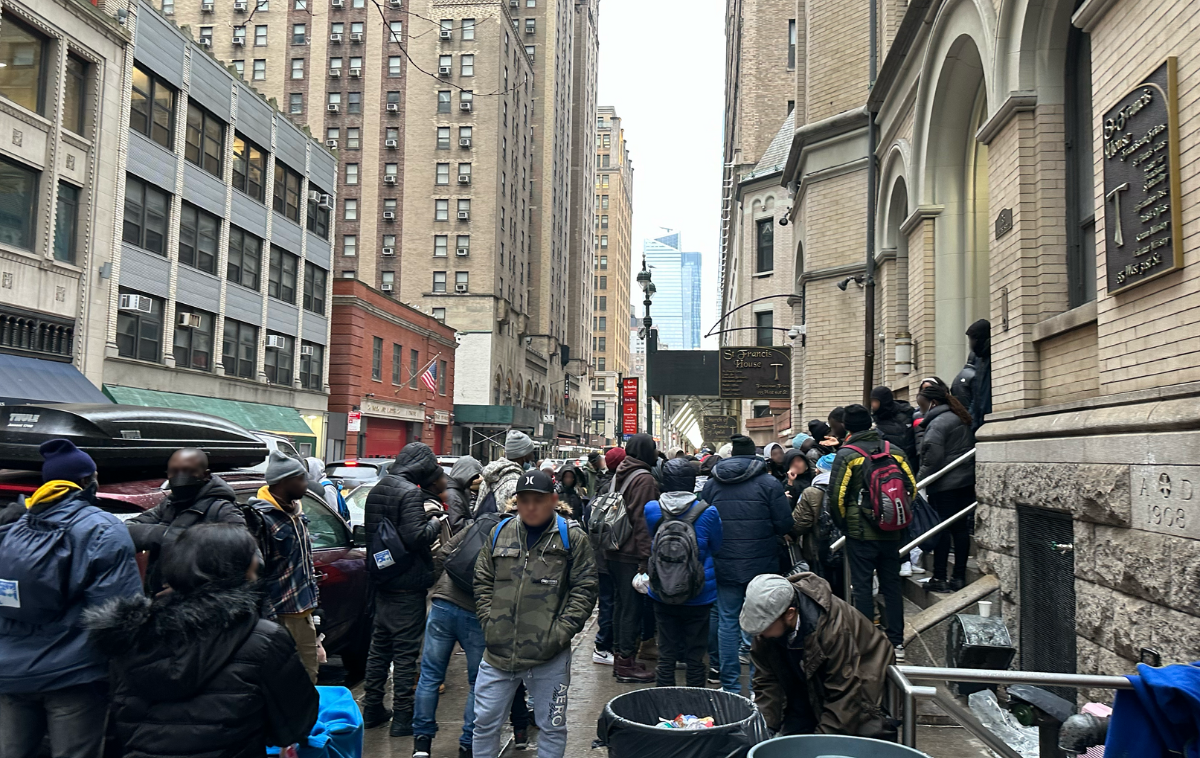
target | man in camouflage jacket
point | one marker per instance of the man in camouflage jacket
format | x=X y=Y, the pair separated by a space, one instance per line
x=535 y=587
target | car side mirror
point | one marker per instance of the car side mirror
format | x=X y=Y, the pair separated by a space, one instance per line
x=359 y=535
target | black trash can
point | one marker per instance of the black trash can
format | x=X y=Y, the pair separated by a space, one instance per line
x=628 y=724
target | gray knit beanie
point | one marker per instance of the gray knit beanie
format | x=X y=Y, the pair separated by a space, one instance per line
x=280 y=467
x=517 y=445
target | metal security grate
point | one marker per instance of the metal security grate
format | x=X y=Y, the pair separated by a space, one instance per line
x=1047 y=561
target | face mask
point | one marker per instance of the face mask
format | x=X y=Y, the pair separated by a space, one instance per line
x=185 y=485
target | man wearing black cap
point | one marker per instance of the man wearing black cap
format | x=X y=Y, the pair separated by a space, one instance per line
x=535 y=588
x=871 y=549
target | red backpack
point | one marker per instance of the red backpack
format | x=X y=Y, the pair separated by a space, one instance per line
x=885 y=487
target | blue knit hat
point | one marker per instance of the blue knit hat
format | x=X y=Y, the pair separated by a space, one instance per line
x=825 y=462
x=798 y=440
x=62 y=460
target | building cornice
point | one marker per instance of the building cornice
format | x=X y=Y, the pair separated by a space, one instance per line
x=353 y=301
x=1016 y=102
x=1090 y=13
x=917 y=18
x=808 y=134
x=921 y=213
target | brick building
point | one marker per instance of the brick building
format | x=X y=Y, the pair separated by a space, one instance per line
x=380 y=351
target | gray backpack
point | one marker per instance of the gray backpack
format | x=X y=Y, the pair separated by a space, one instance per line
x=608 y=525
x=676 y=571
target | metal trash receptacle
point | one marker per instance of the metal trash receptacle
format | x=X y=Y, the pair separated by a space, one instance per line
x=628 y=724
x=831 y=746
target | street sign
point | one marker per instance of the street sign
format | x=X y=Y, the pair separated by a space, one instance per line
x=354 y=421
x=718 y=429
x=629 y=405
x=756 y=373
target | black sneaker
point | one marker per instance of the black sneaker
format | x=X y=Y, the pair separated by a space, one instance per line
x=957 y=584
x=714 y=676
x=375 y=715
x=464 y=752
x=422 y=744
x=937 y=585
x=520 y=739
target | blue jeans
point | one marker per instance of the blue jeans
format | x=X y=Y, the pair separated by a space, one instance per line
x=73 y=717
x=714 y=644
x=446 y=625
x=730 y=636
x=604 y=616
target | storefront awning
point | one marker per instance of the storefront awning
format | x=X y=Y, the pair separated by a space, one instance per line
x=254 y=416
x=33 y=380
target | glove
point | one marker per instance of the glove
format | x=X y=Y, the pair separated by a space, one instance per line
x=641 y=583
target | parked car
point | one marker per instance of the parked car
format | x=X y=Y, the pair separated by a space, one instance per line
x=447 y=462
x=352 y=473
x=274 y=442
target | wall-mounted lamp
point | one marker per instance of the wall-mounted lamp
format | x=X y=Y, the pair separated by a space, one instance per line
x=106 y=270
x=843 y=284
x=122 y=16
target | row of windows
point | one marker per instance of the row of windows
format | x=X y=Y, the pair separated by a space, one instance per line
x=140 y=337
x=415 y=367
x=350 y=208
x=18 y=205
x=26 y=76
x=147 y=209
x=296 y=101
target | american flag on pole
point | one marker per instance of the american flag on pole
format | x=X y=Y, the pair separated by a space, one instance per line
x=429 y=378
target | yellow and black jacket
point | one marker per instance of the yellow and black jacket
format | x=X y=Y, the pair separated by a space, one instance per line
x=846 y=487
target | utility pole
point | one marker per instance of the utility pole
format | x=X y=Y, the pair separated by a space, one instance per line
x=869 y=276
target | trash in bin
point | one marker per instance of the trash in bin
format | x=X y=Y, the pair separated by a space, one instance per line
x=629 y=724
x=686 y=722
x=831 y=746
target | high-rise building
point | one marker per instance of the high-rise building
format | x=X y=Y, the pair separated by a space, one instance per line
x=676 y=308
x=611 y=277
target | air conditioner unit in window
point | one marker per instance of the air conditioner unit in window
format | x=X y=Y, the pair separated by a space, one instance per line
x=139 y=303
x=306 y=350
x=443 y=70
x=464 y=178
x=393 y=107
x=391 y=143
x=239 y=7
x=464 y=215
x=189 y=320
x=444 y=34
x=389 y=215
x=331 y=143
x=206 y=7
x=389 y=179
x=356 y=72
x=325 y=202
x=460 y=288
x=514 y=3
x=274 y=341
x=334 y=73
x=463 y=251
x=206 y=42
x=333 y=108
x=313 y=195
x=388 y=251
x=239 y=40
x=393 y=3
x=386 y=287
x=335 y=38
x=464 y=142
x=338 y=3
x=464 y=106
x=356 y=37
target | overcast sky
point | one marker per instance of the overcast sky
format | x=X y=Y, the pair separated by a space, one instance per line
x=662 y=67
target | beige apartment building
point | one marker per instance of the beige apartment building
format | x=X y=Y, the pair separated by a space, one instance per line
x=1030 y=171
x=611 y=275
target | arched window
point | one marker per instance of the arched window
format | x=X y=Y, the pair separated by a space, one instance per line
x=1081 y=206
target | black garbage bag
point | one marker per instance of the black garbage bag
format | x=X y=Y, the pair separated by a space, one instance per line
x=628 y=724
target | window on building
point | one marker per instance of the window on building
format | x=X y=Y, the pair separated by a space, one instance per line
x=239 y=68
x=764 y=245
x=439 y=280
x=335 y=64
x=531 y=51
x=66 y=223
x=354 y=102
x=245 y=258
x=441 y=210
x=205 y=139
x=791 y=43
x=604 y=222
x=443 y=138
x=389 y=204
x=464 y=206
x=464 y=169
x=601 y=344
x=464 y=132
x=445 y=61
x=168 y=7
x=139 y=333
x=263 y=6
x=467 y=65
x=530 y=25
x=462 y=280
x=604 y=202
x=260 y=35
x=603 y=303
x=24 y=75
x=300 y=5
x=299 y=34
x=462 y=242
x=206 y=35
x=443 y=173
x=350 y=209
x=468 y=28
x=146 y=210
x=351 y=173
x=297 y=68
x=353 y=138
x=260 y=70
x=315 y=279
x=1081 y=211
x=193 y=345
x=764 y=333
x=249 y=167
x=443 y=101
x=391 y=169
x=447 y=25
x=348 y=274
x=239 y=33
x=467 y=96
x=393 y=98
x=295 y=103
x=312 y=360
x=287 y=191
x=603 y=325
x=439 y=314
x=414 y=365
x=604 y=263
x=388 y=280
x=441 y=377
x=600 y=364
x=319 y=213
x=239 y=349
x=604 y=282
x=395 y=66
x=281 y=275
x=604 y=241
x=152 y=107
x=199 y=234
x=75 y=93
x=278 y=361
x=397 y=31
x=349 y=245
x=440 y=242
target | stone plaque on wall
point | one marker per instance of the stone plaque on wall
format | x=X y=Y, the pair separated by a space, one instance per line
x=1166 y=499
x=756 y=373
x=1142 y=226
x=718 y=429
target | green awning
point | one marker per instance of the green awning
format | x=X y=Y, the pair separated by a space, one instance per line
x=253 y=416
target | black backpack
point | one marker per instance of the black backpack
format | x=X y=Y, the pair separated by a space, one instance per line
x=387 y=557
x=260 y=530
x=828 y=533
x=675 y=568
x=609 y=525
x=460 y=563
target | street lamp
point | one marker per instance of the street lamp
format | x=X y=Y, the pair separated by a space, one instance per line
x=648 y=288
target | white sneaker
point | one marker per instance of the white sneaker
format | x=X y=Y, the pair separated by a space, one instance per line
x=917 y=569
x=906 y=569
x=899 y=654
x=602 y=657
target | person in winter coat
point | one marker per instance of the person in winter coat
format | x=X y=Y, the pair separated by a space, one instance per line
x=806 y=514
x=947 y=436
x=530 y=615
x=683 y=628
x=773 y=453
x=459 y=497
x=196 y=670
x=568 y=488
x=797 y=473
x=323 y=487
x=196 y=496
x=894 y=420
x=706 y=467
x=53 y=680
x=872 y=550
x=408 y=497
x=819 y=667
x=589 y=474
x=602 y=652
x=754 y=515
x=634 y=478
x=979 y=337
x=500 y=476
x=290 y=576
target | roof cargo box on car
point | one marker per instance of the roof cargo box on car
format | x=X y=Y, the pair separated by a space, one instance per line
x=123 y=437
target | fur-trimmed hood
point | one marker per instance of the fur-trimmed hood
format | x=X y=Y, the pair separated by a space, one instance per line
x=169 y=648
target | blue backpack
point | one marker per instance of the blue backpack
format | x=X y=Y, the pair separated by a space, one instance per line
x=35 y=569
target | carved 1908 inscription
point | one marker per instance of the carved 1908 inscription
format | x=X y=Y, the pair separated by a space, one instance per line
x=1141 y=182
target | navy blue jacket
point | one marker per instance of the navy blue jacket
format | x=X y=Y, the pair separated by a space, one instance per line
x=708 y=536
x=754 y=515
x=1158 y=718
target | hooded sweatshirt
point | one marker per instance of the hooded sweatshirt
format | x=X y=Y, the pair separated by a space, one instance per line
x=640 y=456
x=708 y=536
x=499 y=480
x=458 y=490
x=754 y=514
x=774 y=469
x=200 y=674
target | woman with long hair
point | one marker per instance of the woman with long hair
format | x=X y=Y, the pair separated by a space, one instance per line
x=196 y=670
x=946 y=435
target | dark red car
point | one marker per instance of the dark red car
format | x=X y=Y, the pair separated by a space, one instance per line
x=339 y=556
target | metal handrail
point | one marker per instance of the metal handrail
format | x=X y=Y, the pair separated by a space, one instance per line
x=904 y=694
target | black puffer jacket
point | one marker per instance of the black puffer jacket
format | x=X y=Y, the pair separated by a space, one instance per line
x=399 y=498
x=202 y=675
x=754 y=515
x=894 y=420
x=946 y=438
x=459 y=498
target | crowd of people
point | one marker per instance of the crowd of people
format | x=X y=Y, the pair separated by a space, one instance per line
x=715 y=562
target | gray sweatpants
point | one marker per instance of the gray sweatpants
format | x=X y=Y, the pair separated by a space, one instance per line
x=547 y=684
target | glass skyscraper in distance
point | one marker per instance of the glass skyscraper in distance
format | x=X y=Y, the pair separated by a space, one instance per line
x=676 y=308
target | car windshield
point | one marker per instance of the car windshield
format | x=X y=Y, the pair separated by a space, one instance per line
x=359 y=471
x=356 y=501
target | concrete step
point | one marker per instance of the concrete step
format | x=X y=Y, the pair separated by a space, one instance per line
x=914 y=586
